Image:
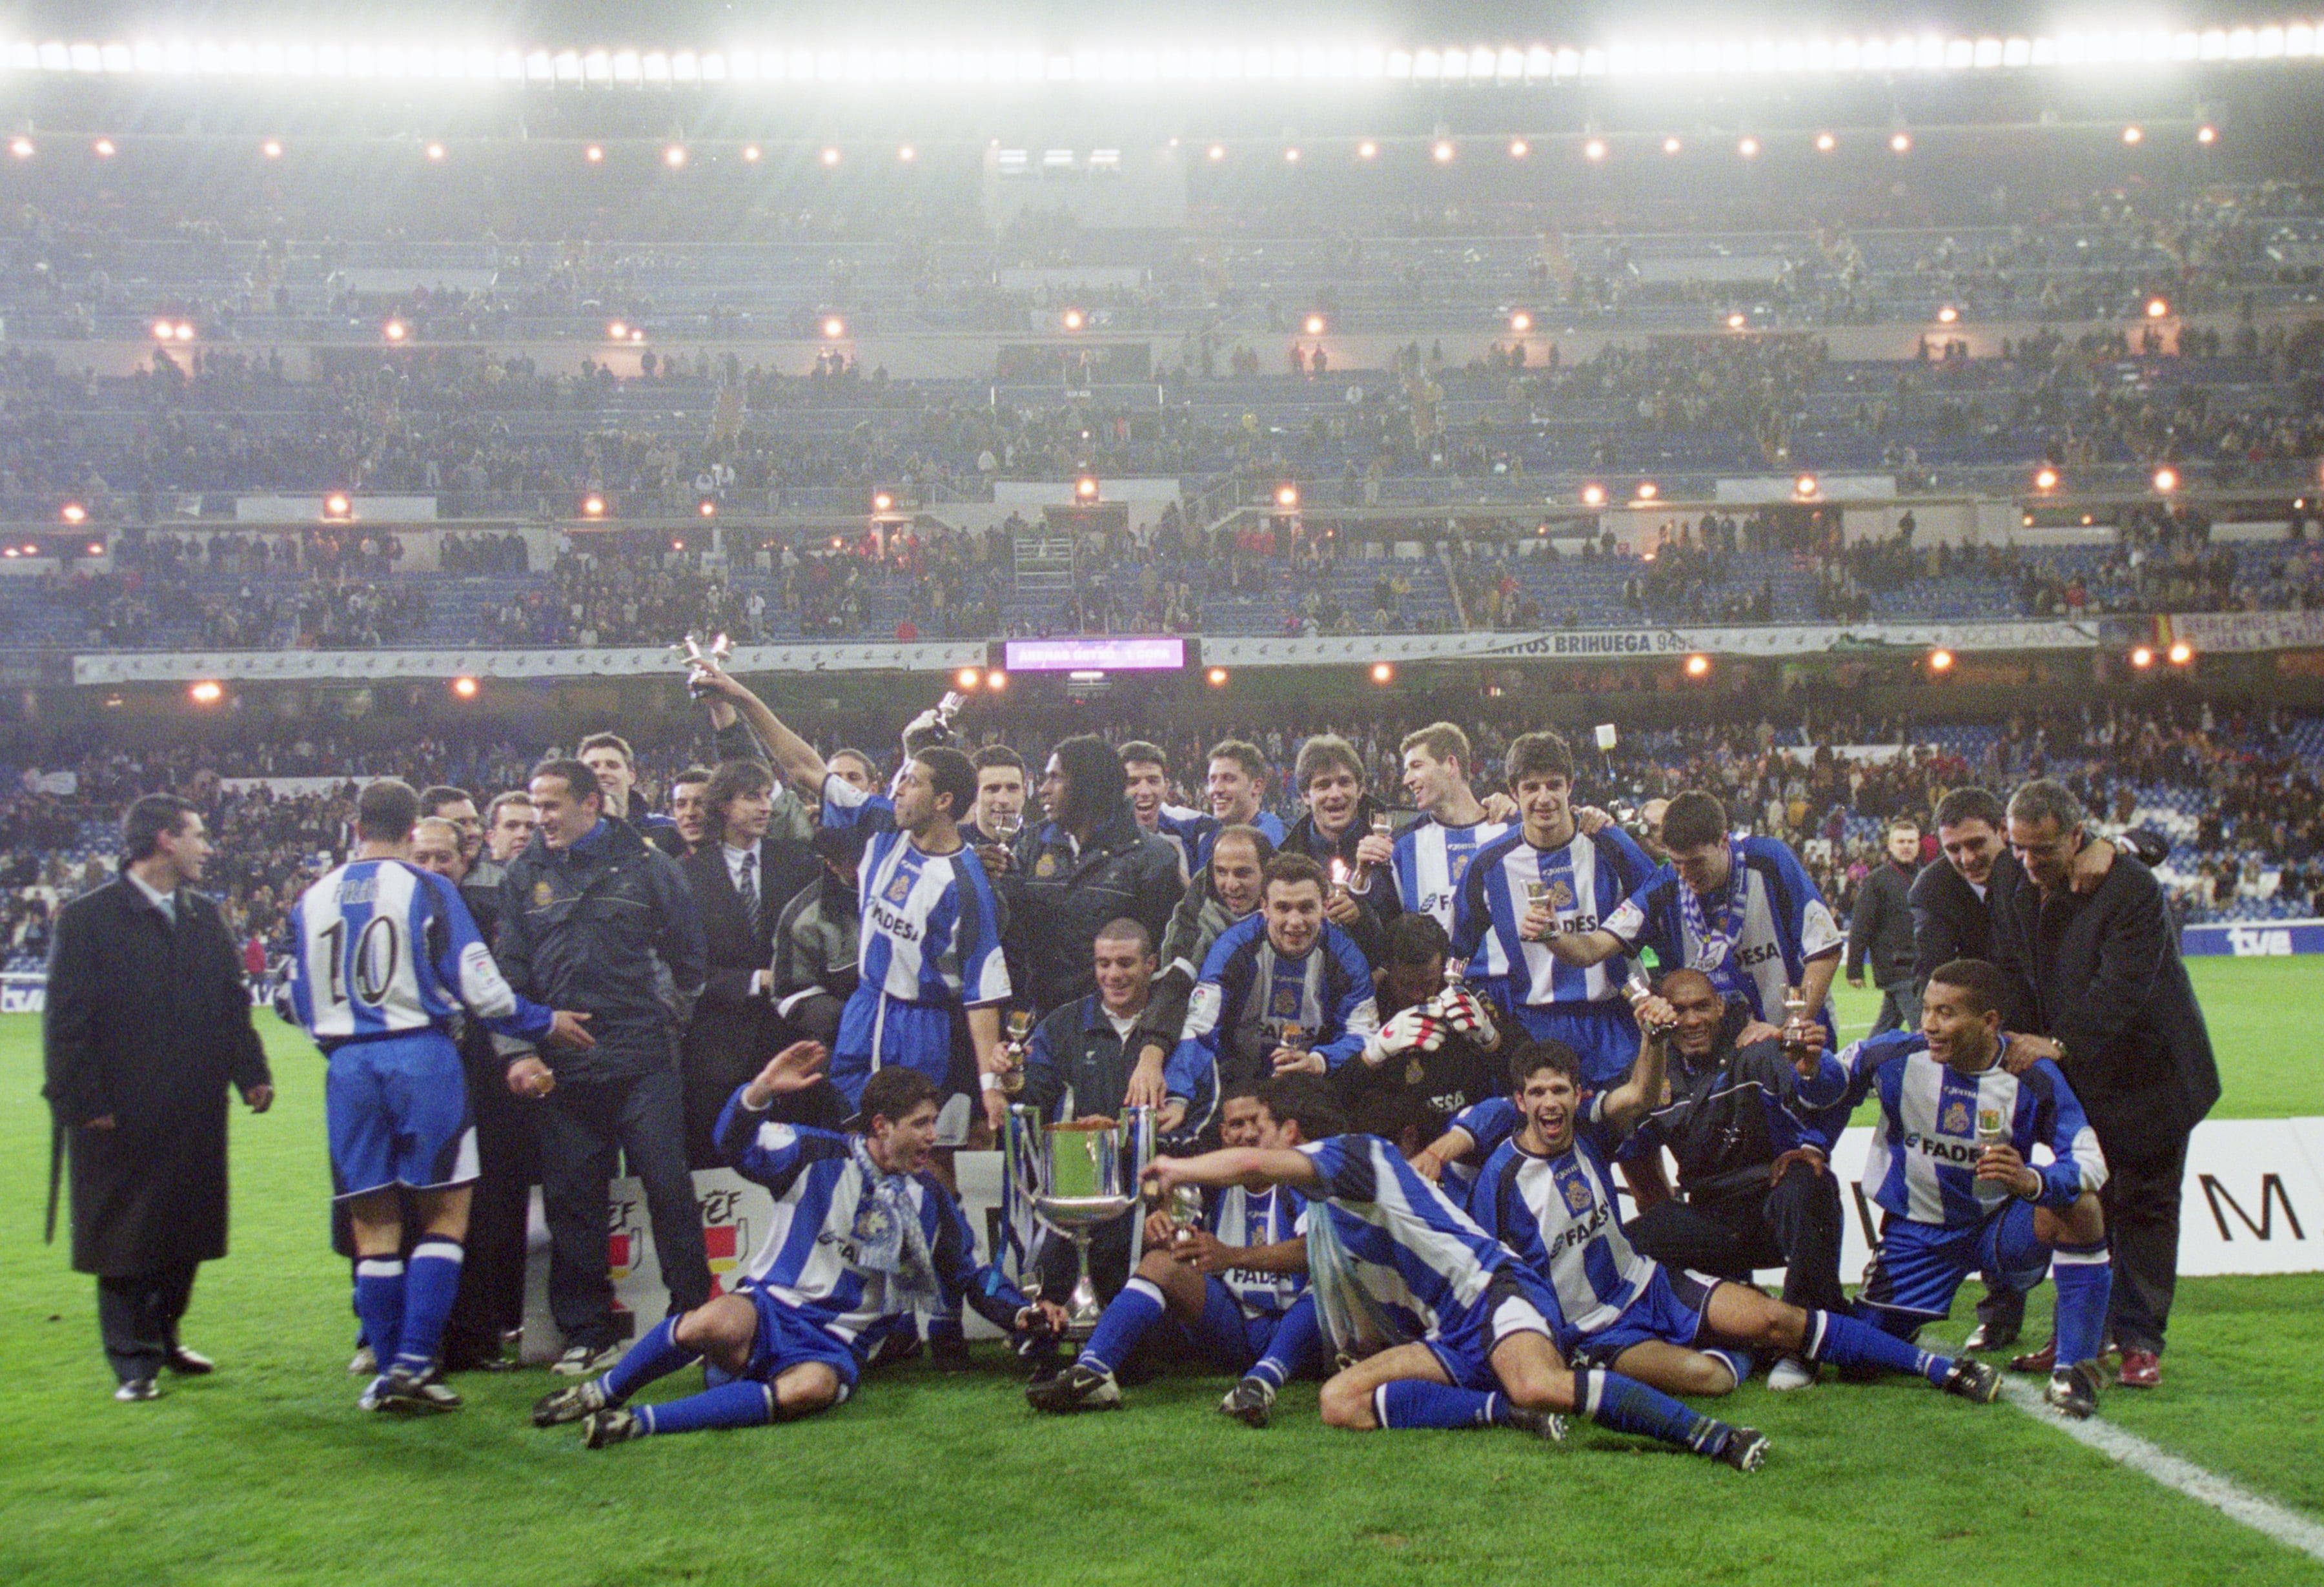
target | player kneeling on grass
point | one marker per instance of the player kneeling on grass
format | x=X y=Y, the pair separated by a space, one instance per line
x=1233 y=1287
x=1467 y=1329
x=862 y=1234
x=1548 y=1195
x=1948 y=1167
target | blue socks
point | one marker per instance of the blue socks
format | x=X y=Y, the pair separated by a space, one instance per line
x=2084 y=1275
x=379 y=1302
x=1292 y=1347
x=1625 y=1405
x=1845 y=1342
x=657 y=1355
x=1125 y=1322
x=431 y=1282
x=745 y=1403
x=1413 y=1402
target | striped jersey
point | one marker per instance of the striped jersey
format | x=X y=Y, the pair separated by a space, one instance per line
x=930 y=932
x=380 y=946
x=1240 y=1216
x=823 y=1208
x=1250 y=996
x=1923 y=1164
x=1588 y=878
x=1785 y=923
x=1432 y=859
x=1401 y=1243
x=1561 y=1216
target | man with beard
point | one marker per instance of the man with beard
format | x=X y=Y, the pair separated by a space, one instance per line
x=862 y=1234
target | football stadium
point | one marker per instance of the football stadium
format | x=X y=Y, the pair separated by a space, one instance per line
x=1405 y=794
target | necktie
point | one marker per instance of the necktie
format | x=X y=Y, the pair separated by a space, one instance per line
x=748 y=889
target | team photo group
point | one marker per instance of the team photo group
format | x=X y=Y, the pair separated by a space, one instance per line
x=1489 y=1100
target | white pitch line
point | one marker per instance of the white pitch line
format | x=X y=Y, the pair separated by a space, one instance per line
x=2264 y=1516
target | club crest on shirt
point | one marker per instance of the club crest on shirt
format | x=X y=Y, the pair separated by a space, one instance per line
x=544 y=894
x=1576 y=1194
x=1047 y=865
x=874 y=1224
x=1561 y=894
x=1955 y=1120
x=1460 y=868
x=1286 y=1001
x=900 y=889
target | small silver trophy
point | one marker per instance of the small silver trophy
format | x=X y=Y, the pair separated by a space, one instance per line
x=700 y=660
x=1076 y=1176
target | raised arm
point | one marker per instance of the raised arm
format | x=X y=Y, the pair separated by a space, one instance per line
x=1628 y=1102
x=1253 y=1167
x=795 y=760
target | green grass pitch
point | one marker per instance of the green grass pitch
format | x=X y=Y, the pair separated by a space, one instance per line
x=267 y=1472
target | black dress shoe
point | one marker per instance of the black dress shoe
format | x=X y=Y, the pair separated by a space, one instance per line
x=188 y=1363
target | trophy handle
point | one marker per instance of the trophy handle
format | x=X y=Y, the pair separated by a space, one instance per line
x=1022 y=1188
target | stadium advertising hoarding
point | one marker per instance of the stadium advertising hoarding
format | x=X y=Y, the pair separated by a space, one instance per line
x=1584 y=644
x=2252 y=1202
x=2255 y=940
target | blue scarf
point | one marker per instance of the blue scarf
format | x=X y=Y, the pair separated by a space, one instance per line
x=1714 y=953
x=888 y=1236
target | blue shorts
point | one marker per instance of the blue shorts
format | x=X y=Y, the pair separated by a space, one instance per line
x=1669 y=1308
x=397 y=1111
x=1920 y=1266
x=877 y=1031
x=1231 y=1338
x=787 y=1339
x=1604 y=1036
x=1515 y=1303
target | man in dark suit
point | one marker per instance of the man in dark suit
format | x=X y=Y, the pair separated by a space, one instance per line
x=2099 y=973
x=148 y=1023
x=740 y=879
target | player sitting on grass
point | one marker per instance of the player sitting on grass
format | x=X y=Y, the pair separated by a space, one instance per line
x=1547 y=1193
x=1948 y=1167
x=1466 y=1330
x=1233 y=1287
x=861 y=1235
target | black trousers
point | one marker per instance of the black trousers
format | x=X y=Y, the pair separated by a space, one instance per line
x=492 y=1279
x=580 y=1127
x=1794 y=1225
x=137 y=1316
x=2141 y=1200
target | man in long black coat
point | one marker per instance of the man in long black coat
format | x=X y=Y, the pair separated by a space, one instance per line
x=148 y=1021
x=2100 y=974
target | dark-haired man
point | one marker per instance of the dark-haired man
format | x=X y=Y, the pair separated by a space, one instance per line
x=384 y=956
x=862 y=1235
x=1226 y=890
x=1283 y=992
x=929 y=944
x=592 y=918
x=1431 y=858
x=1233 y=1282
x=1451 y=1329
x=1338 y=822
x=1089 y=864
x=614 y=765
x=2099 y=973
x=1548 y=1195
x=1546 y=882
x=1234 y=790
x=147 y=1024
x=1949 y=1169
x=741 y=876
x=1740 y=909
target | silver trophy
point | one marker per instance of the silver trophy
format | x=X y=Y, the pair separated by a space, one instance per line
x=1073 y=1177
x=700 y=659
